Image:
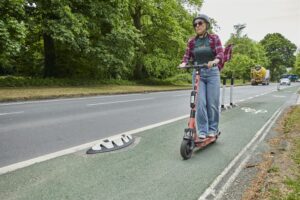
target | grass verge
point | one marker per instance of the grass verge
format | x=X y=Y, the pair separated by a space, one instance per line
x=33 y=93
x=13 y=88
x=278 y=176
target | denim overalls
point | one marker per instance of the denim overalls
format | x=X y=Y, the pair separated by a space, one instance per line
x=207 y=113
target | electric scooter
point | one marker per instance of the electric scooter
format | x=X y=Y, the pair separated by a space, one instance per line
x=190 y=138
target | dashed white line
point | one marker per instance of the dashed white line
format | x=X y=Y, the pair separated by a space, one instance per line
x=258 y=95
x=69 y=99
x=112 y=102
x=11 y=113
x=180 y=95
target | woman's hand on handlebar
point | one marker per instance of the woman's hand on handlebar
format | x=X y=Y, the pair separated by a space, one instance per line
x=182 y=65
x=211 y=64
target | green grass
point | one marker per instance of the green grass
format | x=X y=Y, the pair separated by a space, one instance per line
x=291 y=122
x=18 y=94
x=294 y=185
x=291 y=125
x=14 y=88
x=275 y=193
x=240 y=82
x=19 y=81
x=273 y=169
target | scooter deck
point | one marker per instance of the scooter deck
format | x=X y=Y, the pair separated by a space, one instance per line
x=202 y=143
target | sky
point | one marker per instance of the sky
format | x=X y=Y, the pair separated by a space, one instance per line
x=260 y=16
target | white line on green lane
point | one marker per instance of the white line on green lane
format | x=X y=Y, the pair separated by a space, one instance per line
x=39 y=159
x=211 y=190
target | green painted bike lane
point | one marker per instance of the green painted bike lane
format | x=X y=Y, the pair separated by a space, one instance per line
x=152 y=168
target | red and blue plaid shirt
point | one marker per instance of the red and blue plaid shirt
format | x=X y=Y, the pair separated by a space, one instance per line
x=215 y=45
x=227 y=53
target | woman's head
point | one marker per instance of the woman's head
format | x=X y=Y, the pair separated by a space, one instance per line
x=201 y=24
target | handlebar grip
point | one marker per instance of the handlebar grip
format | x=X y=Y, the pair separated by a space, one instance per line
x=194 y=66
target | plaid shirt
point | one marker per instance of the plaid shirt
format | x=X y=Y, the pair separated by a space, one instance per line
x=227 y=53
x=215 y=45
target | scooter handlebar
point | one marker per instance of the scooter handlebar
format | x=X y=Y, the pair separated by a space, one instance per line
x=193 y=66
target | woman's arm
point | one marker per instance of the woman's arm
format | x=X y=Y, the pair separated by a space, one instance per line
x=218 y=50
x=188 y=51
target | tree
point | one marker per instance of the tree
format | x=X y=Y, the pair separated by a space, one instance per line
x=296 y=68
x=165 y=27
x=239 y=66
x=119 y=39
x=59 y=24
x=246 y=54
x=83 y=39
x=280 y=52
x=12 y=33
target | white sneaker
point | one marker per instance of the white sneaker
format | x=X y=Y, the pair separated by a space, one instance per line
x=202 y=137
x=211 y=135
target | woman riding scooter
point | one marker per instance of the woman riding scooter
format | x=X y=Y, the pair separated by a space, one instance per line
x=206 y=48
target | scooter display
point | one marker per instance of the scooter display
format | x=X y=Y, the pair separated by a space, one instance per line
x=190 y=139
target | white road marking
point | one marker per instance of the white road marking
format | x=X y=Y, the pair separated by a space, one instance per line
x=243 y=163
x=179 y=95
x=279 y=96
x=69 y=99
x=39 y=159
x=253 y=143
x=252 y=110
x=112 y=102
x=11 y=113
x=258 y=95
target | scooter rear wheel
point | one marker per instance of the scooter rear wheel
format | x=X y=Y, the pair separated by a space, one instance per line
x=186 y=149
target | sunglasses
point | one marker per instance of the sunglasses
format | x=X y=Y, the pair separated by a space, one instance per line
x=199 y=23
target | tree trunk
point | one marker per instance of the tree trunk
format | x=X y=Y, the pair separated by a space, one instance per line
x=139 y=71
x=49 y=56
x=137 y=17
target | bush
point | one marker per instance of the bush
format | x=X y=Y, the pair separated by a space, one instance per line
x=180 y=79
x=18 y=81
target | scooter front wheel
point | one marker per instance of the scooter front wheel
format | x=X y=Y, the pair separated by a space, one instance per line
x=186 y=149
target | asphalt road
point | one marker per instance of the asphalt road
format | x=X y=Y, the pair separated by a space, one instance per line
x=152 y=167
x=35 y=128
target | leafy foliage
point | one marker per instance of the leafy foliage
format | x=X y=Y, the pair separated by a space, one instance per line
x=116 y=39
x=280 y=52
x=12 y=33
x=296 y=68
x=246 y=54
